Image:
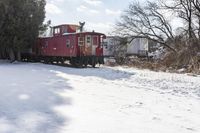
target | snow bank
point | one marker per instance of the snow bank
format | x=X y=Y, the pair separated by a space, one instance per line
x=40 y=98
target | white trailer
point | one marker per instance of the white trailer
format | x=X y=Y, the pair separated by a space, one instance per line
x=138 y=46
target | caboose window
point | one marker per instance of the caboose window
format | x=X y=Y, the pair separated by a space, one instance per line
x=80 y=41
x=68 y=43
x=65 y=30
x=88 y=39
x=57 y=30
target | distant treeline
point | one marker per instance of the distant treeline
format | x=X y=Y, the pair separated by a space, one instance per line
x=20 y=23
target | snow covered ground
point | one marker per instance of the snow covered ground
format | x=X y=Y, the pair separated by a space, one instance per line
x=38 y=98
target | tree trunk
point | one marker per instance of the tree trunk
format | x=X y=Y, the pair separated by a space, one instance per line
x=18 y=55
x=11 y=55
x=3 y=54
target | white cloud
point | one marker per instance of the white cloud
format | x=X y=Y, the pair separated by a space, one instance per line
x=99 y=27
x=52 y=9
x=59 y=0
x=85 y=9
x=81 y=8
x=94 y=11
x=55 y=1
x=93 y=2
x=112 y=12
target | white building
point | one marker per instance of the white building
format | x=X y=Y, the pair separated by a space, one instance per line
x=138 y=46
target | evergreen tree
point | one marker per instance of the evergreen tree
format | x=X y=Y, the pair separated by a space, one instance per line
x=20 y=28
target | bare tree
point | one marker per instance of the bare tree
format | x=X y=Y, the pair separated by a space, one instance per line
x=196 y=5
x=189 y=12
x=146 y=22
x=152 y=21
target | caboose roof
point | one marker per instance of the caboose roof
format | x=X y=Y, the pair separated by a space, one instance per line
x=66 y=25
x=94 y=33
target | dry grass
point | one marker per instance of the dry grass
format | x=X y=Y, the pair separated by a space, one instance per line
x=185 y=60
x=169 y=64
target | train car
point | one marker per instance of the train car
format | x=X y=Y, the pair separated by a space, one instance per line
x=138 y=47
x=79 y=48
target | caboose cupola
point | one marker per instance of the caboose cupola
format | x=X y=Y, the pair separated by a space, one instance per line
x=64 y=29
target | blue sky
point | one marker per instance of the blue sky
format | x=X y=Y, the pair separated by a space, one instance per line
x=99 y=15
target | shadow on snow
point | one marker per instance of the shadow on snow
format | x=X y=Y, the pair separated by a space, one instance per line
x=31 y=95
x=102 y=72
x=30 y=100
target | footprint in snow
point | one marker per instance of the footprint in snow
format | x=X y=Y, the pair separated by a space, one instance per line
x=137 y=104
x=156 y=118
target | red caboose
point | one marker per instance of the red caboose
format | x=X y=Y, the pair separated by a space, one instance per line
x=80 y=48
